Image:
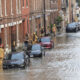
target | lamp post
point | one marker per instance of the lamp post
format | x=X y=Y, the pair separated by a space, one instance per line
x=50 y=18
x=72 y=12
x=44 y=16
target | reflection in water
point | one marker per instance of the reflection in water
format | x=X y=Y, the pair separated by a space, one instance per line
x=60 y=63
x=2 y=76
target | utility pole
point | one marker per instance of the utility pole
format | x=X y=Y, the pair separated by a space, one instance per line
x=50 y=17
x=44 y=15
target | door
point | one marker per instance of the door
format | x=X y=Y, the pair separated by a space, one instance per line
x=13 y=38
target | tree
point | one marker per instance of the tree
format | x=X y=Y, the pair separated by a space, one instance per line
x=58 y=20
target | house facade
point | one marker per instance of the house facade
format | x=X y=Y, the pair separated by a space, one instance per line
x=37 y=14
x=11 y=24
x=25 y=16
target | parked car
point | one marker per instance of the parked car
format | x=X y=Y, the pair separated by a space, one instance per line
x=79 y=25
x=19 y=59
x=72 y=27
x=37 y=50
x=46 y=42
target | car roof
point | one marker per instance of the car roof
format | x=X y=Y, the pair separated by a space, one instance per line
x=45 y=37
x=36 y=44
x=17 y=52
x=73 y=24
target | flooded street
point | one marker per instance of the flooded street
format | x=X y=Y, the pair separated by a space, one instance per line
x=60 y=63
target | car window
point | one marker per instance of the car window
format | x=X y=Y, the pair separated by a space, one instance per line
x=72 y=25
x=8 y=57
x=45 y=40
x=17 y=56
x=36 y=47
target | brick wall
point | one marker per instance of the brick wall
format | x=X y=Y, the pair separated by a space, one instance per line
x=12 y=17
x=25 y=13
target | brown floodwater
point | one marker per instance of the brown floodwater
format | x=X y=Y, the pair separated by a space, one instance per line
x=60 y=63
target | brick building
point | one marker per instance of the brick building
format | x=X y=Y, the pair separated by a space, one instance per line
x=69 y=10
x=36 y=15
x=11 y=34
x=37 y=11
x=74 y=12
x=54 y=9
x=25 y=15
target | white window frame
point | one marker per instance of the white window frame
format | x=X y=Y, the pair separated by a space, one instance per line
x=19 y=6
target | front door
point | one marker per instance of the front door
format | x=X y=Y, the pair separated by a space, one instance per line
x=13 y=38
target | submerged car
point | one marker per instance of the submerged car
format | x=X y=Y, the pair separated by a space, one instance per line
x=13 y=60
x=72 y=27
x=46 y=42
x=37 y=50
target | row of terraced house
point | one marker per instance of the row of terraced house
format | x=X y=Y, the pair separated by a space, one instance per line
x=18 y=17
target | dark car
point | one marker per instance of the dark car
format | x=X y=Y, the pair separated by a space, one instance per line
x=46 y=42
x=79 y=25
x=37 y=50
x=13 y=60
x=72 y=27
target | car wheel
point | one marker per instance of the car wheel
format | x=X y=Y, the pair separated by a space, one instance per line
x=40 y=55
x=44 y=53
x=76 y=29
x=5 y=67
x=34 y=56
x=53 y=46
x=24 y=66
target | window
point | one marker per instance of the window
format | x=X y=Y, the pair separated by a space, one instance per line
x=27 y=25
x=77 y=15
x=26 y=3
x=11 y=8
x=20 y=6
x=34 y=4
x=5 y=9
x=62 y=1
x=67 y=3
x=16 y=6
x=23 y=3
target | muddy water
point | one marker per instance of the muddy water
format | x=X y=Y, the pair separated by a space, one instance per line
x=60 y=63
